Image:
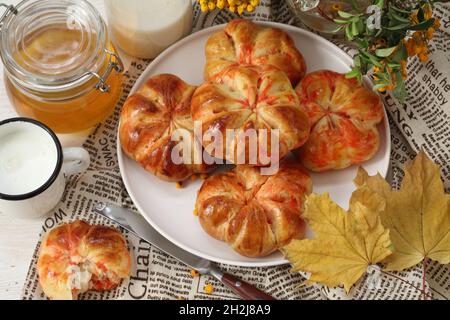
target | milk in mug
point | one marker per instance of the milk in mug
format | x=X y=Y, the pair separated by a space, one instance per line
x=28 y=158
x=34 y=168
x=145 y=28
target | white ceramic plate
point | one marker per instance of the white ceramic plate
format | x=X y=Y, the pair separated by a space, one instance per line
x=170 y=210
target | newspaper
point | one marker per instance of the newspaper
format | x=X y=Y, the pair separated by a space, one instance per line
x=421 y=123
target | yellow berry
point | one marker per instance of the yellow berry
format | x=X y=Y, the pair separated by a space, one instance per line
x=250 y=8
x=211 y=5
x=254 y=3
x=221 y=4
x=204 y=8
x=194 y=273
x=232 y=3
x=232 y=8
x=209 y=289
x=241 y=9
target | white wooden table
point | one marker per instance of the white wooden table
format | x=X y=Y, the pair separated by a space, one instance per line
x=19 y=237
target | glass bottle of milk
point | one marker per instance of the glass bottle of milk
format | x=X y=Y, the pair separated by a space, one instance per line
x=144 y=28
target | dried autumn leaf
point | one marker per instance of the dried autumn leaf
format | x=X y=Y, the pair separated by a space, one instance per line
x=345 y=244
x=418 y=215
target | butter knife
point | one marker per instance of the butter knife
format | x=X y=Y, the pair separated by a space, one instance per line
x=137 y=225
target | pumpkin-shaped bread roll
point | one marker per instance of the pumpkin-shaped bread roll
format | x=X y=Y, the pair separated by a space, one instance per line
x=250 y=99
x=344 y=116
x=255 y=214
x=243 y=42
x=78 y=257
x=148 y=121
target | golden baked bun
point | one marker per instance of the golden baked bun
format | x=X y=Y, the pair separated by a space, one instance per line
x=344 y=117
x=78 y=257
x=255 y=214
x=250 y=98
x=243 y=42
x=148 y=119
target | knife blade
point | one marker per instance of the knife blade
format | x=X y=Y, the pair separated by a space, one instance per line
x=137 y=225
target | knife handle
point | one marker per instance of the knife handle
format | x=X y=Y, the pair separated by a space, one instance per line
x=243 y=289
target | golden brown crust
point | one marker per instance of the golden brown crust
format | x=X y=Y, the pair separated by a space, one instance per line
x=243 y=42
x=255 y=214
x=344 y=117
x=148 y=119
x=250 y=98
x=102 y=251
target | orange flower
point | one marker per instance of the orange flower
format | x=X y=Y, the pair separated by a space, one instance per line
x=417 y=36
x=336 y=7
x=411 y=47
x=423 y=57
x=404 y=65
x=437 y=24
x=380 y=42
x=420 y=49
x=430 y=33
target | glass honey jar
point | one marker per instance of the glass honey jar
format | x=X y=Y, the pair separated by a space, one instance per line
x=60 y=66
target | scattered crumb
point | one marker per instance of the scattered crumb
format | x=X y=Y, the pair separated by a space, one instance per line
x=209 y=288
x=179 y=185
x=204 y=176
x=194 y=273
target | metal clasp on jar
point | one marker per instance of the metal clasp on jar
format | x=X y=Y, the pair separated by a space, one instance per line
x=9 y=9
x=115 y=63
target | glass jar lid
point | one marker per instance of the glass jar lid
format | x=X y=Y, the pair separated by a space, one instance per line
x=55 y=45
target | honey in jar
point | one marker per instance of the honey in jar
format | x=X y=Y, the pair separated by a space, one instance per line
x=60 y=66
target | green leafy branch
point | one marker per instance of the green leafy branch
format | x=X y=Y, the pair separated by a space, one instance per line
x=404 y=32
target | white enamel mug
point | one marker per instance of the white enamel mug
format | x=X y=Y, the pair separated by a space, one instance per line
x=34 y=168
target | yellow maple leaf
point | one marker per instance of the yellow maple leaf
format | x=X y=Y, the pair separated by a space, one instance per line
x=345 y=244
x=418 y=215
